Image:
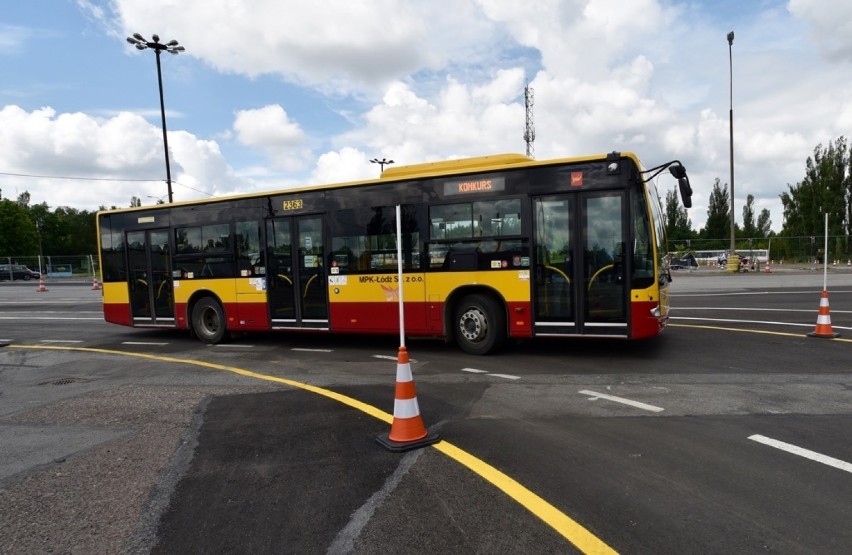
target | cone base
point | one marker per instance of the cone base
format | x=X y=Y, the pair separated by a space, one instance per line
x=400 y=446
x=824 y=335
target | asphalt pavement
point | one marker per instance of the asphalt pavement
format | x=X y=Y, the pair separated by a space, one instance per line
x=138 y=457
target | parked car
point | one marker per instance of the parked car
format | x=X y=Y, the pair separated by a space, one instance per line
x=17 y=271
x=686 y=261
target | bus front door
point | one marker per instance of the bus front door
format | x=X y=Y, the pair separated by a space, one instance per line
x=580 y=285
x=297 y=286
x=149 y=278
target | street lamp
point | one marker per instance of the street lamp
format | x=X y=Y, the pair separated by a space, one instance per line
x=733 y=258
x=171 y=47
x=382 y=163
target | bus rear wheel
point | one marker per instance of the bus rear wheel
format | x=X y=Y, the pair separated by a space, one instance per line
x=480 y=325
x=208 y=320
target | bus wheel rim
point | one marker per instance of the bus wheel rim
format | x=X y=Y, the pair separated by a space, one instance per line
x=472 y=325
x=210 y=321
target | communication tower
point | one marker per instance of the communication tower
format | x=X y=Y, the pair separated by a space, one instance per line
x=529 y=130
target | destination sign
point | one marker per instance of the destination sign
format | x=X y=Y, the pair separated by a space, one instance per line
x=476 y=185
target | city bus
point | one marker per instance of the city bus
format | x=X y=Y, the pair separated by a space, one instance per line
x=493 y=248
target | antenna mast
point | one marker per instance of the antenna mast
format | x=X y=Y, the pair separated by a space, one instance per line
x=529 y=130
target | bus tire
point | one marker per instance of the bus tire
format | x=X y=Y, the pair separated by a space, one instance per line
x=208 y=320
x=479 y=325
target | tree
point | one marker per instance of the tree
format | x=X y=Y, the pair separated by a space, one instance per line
x=678 y=225
x=718 y=224
x=825 y=189
x=749 y=227
x=18 y=235
x=764 y=224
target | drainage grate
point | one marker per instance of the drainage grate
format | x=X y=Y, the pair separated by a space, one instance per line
x=63 y=381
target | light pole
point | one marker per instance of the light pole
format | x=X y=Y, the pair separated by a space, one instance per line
x=733 y=258
x=171 y=47
x=381 y=163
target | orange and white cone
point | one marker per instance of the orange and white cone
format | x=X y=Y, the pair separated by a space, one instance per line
x=407 y=430
x=823 y=325
x=41 y=286
x=95 y=284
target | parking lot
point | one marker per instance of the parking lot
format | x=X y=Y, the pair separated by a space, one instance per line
x=135 y=440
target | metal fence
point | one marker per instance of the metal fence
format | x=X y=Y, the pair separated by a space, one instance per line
x=79 y=266
x=809 y=249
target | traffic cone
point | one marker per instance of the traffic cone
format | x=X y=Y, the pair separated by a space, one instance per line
x=41 y=286
x=767 y=269
x=96 y=286
x=823 y=325
x=407 y=430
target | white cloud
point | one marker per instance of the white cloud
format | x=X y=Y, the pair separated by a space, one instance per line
x=116 y=153
x=336 y=45
x=831 y=25
x=424 y=81
x=270 y=130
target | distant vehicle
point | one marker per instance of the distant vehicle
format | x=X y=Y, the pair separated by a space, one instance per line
x=687 y=262
x=17 y=271
x=744 y=260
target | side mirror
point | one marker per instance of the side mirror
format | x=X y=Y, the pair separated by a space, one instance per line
x=685 y=191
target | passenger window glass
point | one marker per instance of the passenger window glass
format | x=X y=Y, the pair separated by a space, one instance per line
x=489 y=218
x=249 y=255
x=364 y=240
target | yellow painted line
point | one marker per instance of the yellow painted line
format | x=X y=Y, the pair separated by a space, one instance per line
x=575 y=533
x=571 y=530
x=763 y=332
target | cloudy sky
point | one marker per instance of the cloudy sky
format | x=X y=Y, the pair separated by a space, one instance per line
x=277 y=93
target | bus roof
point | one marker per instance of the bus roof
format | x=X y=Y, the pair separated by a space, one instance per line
x=454 y=166
x=493 y=162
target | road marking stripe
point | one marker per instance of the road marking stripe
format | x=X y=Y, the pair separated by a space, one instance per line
x=393 y=358
x=474 y=371
x=568 y=528
x=235 y=345
x=802 y=452
x=47 y=318
x=151 y=343
x=763 y=332
x=312 y=350
x=735 y=321
x=595 y=395
x=746 y=309
x=507 y=376
x=60 y=341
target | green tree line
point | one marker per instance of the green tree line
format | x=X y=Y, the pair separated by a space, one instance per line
x=825 y=188
x=30 y=230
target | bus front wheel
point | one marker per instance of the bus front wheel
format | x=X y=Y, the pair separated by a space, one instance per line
x=208 y=320
x=479 y=325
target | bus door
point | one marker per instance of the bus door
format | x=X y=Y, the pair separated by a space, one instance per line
x=150 y=278
x=580 y=285
x=297 y=286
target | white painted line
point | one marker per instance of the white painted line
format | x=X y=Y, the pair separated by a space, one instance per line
x=388 y=357
x=802 y=452
x=153 y=344
x=46 y=318
x=507 y=376
x=474 y=371
x=312 y=350
x=59 y=341
x=595 y=396
x=235 y=345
